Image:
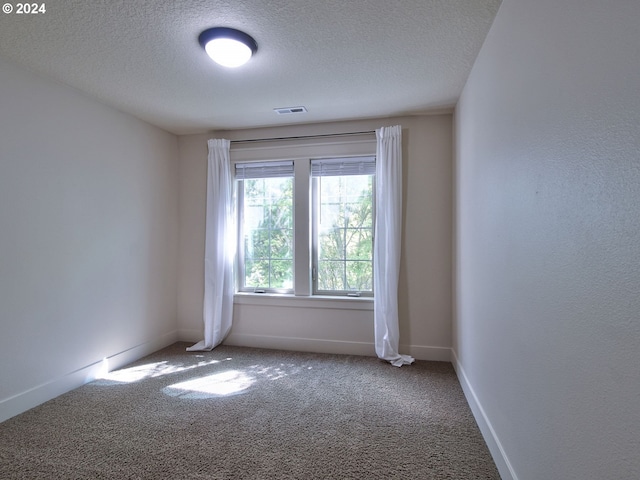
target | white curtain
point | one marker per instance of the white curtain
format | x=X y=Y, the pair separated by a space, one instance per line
x=219 y=250
x=386 y=249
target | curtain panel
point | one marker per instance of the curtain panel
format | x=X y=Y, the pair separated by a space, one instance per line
x=387 y=245
x=220 y=245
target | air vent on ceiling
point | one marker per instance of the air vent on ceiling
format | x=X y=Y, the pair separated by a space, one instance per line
x=289 y=110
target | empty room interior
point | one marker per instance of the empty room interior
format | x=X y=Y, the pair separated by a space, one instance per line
x=519 y=250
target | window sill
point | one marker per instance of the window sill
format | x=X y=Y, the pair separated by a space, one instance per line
x=315 y=301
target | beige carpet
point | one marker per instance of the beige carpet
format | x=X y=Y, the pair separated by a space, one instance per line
x=243 y=413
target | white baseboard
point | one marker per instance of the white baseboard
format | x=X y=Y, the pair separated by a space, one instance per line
x=333 y=346
x=135 y=353
x=300 y=344
x=193 y=335
x=17 y=404
x=490 y=437
x=433 y=354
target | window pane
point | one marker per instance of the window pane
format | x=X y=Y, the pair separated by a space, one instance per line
x=358 y=243
x=281 y=216
x=267 y=233
x=359 y=275
x=345 y=233
x=331 y=244
x=257 y=244
x=281 y=274
x=257 y=273
x=331 y=275
x=281 y=244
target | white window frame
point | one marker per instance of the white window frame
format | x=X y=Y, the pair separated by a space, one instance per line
x=301 y=151
x=269 y=170
x=370 y=161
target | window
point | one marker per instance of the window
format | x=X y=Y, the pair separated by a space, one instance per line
x=265 y=201
x=343 y=225
x=305 y=225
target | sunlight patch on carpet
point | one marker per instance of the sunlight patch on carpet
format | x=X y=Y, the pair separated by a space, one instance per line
x=231 y=382
x=149 y=370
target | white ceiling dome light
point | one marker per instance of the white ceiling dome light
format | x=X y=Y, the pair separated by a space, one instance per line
x=227 y=46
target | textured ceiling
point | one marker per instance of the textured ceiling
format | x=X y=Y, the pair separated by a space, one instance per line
x=342 y=59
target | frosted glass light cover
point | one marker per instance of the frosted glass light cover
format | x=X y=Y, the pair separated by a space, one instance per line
x=228 y=52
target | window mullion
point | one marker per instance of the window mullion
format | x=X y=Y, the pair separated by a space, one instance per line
x=344 y=237
x=302 y=227
x=240 y=235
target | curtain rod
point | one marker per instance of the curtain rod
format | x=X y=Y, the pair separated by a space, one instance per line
x=303 y=137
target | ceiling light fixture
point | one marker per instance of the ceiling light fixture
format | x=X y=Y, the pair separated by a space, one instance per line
x=227 y=46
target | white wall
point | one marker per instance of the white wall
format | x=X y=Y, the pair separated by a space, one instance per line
x=547 y=331
x=425 y=298
x=88 y=238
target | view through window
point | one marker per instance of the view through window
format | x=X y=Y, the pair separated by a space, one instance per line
x=340 y=217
